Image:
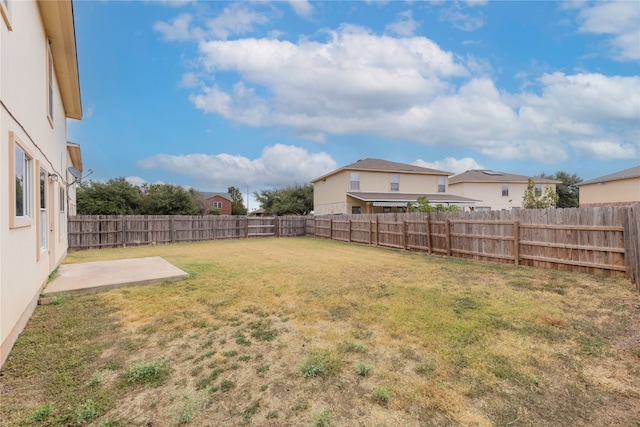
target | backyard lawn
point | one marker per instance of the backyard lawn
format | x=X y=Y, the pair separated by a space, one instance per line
x=312 y=332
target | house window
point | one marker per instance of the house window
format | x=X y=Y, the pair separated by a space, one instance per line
x=483 y=209
x=217 y=205
x=49 y=84
x=43 y=209
x=63 y=216
x=356 y=210
x=441 y=184
x=354 y=181
x=5 y=11
x=21 y=184
x=395 y=182
x=505 y=190
x=538 y=189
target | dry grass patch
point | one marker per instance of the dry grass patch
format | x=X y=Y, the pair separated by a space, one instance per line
x=313 y=332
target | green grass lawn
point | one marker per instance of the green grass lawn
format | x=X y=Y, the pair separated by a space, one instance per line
x=312 y=332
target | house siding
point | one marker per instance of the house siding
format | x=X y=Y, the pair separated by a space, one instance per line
x=624 y=191
x=23 y=116
x=226 y=204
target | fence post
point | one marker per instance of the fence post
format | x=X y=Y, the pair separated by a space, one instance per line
x=172 y=229
x=330 y=228
x=428 y=227
x=447 y=230
x=631 y=237
x=516 y=242
x=349 y=234
x=377 y=231
x=405 y=228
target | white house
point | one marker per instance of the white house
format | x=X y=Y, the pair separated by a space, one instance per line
x=39 y=90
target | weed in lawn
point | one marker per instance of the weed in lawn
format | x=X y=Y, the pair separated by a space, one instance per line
x=207 y=355
x=184 y=415
x=591 y=345
x=227 y=385
x=40 y=414
x=251 y=410
x=208 y=343
x=97 y=378
x=86 y=411
x=242 y=340
x=351 y=347
x=262 y=331
x=230 y=353
x=262 y=370
x=320 y=363
x=323 y=419
x=196 y=371
x=271 y=415
x=425 y=369
x=362 y=369
x=300 y=406
x=206 y=381
x=461 y=305
x=244 y=358
x=361 y=332
x=152 y=373
x=59 y=300
x=381 y=395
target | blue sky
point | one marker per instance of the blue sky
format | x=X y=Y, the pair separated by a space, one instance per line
x=263 y=94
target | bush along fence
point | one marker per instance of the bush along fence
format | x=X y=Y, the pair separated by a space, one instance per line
x=596 y=240
x=116 y=231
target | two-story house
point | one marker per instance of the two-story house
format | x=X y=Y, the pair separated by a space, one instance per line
x=377 y=186
x=39 y=90
x=495 y=190
x=220 y=201
x=619 y=188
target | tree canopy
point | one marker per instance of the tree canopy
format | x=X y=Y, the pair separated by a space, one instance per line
x=114 y=197
x=423 y=205
x=567 y=190
x=533 y=199
x=292 y=200
x=237 y=202
x=119 y=197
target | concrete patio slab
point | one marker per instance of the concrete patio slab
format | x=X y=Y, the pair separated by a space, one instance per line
x=92 y=277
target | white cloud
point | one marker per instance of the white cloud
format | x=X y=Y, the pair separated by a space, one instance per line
x=179 y=28
x=451 y=164
x=301 y=7
x=460 y=20
x=619 y=20
x=356 y=82
x=607 y=149
x=278 y=166
x=404 y=25
x=138 y=181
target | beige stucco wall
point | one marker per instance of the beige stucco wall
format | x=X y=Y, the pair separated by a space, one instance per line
x=23 y=91
x=329 y=195
x=621 y=191
x=490 y=195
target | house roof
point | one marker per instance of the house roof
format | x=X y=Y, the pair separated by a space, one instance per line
x=625 y=174
x=209 y=195
x=483 y=175
x=401 y=199
x=379 y=165
x=57 y=18
x=75 y=154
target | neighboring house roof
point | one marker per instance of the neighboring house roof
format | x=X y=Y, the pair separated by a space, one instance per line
x=625 y=174
x=57 y=18
x=208 y=195
x=401 y=199
x=483 y=175
x=379 y=165
x=76 y=156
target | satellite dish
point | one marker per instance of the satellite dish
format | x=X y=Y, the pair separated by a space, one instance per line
x=75 y=172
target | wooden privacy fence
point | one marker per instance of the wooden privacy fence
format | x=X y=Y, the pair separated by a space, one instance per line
x=596 y=240
x=115 y=231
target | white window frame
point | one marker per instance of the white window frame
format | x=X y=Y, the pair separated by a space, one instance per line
x=5 y=11
x=26 y=219
x=505 y=190
x=442 y=185
x=354 y=180
x=394 y=182
x=62 y=209
x=50 y=77
x=217 y=205
x=43 y=217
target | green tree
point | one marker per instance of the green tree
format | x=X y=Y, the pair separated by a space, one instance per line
x=237 y=202
x=167 y=199
x=292 y=200
x=114 y=197
x=567 y=190
x=533 y=199
x=423 y=205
